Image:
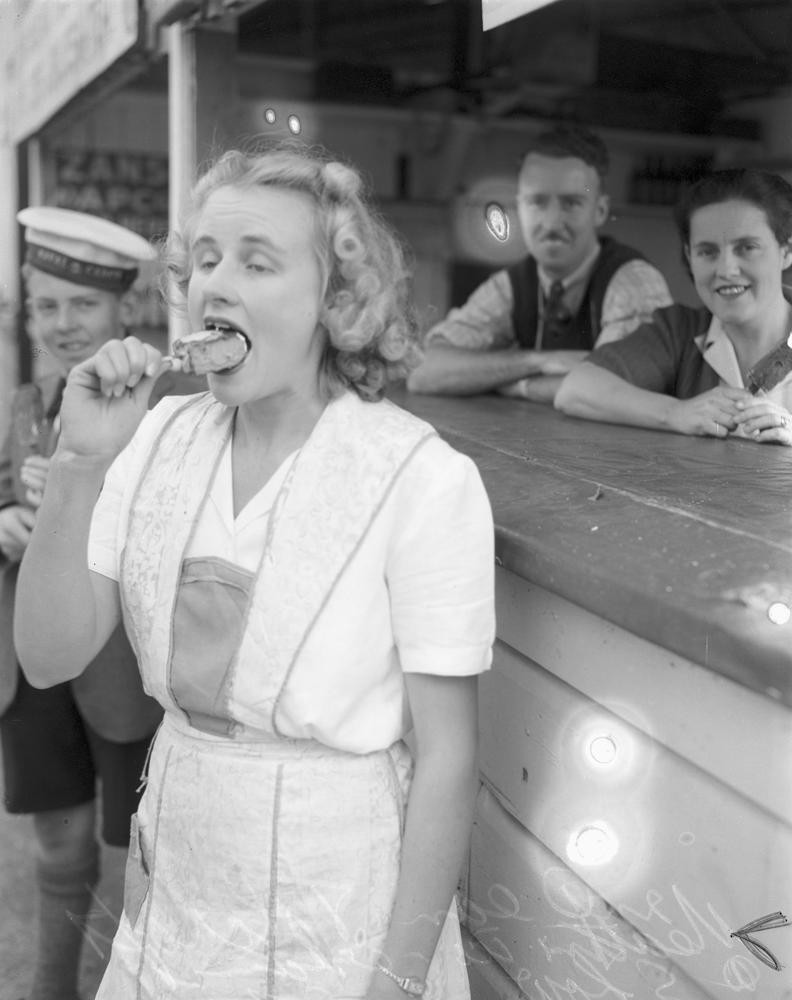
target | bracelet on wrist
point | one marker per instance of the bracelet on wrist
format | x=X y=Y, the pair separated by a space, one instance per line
x=409 y=984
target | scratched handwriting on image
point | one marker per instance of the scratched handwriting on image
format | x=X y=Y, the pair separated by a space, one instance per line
x=597 y=944
x=315 y=978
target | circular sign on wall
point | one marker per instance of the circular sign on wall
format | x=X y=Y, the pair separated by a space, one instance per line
x=486 y=227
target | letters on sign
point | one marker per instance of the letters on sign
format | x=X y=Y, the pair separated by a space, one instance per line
x=130 y=189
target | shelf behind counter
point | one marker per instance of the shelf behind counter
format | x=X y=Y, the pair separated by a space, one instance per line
x=636 y=727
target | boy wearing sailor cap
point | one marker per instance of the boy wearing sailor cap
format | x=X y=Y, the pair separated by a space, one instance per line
x=56 y=742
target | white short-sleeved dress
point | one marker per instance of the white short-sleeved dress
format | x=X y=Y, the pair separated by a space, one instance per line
x=265 y=853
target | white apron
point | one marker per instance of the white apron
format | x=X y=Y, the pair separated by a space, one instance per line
x=260 y=866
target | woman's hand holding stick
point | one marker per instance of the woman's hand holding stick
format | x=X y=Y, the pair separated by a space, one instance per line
x=106 y=397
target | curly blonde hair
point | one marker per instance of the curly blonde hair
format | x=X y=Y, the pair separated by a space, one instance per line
x=372 y=334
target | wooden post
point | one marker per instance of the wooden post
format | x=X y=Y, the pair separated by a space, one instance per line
x=203 y=113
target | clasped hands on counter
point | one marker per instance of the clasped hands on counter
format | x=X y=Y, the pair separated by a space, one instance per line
x=725 y=410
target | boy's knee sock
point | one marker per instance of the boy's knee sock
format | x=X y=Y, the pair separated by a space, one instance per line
x=64 y=899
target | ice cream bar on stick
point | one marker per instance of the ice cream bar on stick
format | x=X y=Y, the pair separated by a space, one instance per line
x=771 y=369
x=208 y=351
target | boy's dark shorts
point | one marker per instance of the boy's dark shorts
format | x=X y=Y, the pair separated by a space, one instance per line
x=52 y=760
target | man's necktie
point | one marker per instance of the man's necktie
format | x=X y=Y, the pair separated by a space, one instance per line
x=556 y=316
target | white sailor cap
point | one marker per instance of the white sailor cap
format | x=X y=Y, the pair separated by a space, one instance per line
x=83 y=248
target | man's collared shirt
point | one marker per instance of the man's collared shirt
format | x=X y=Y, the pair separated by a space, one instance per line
x=574 y=285
x=485 y=321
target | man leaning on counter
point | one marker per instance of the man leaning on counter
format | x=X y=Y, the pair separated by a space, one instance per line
x=527 y=326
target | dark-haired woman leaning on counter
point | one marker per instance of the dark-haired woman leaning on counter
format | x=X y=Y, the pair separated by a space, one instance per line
x=723 y=368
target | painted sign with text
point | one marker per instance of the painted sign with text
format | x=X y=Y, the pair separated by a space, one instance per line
x=130 y=189
x=59 y=48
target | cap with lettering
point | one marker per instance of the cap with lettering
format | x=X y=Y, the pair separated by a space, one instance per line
x=81 y=248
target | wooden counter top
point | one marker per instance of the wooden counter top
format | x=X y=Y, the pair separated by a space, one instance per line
x=683 y=541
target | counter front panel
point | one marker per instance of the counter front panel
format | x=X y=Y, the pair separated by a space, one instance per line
x=636 y=727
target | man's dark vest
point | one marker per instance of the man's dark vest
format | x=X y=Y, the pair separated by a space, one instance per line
x=583 y=329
